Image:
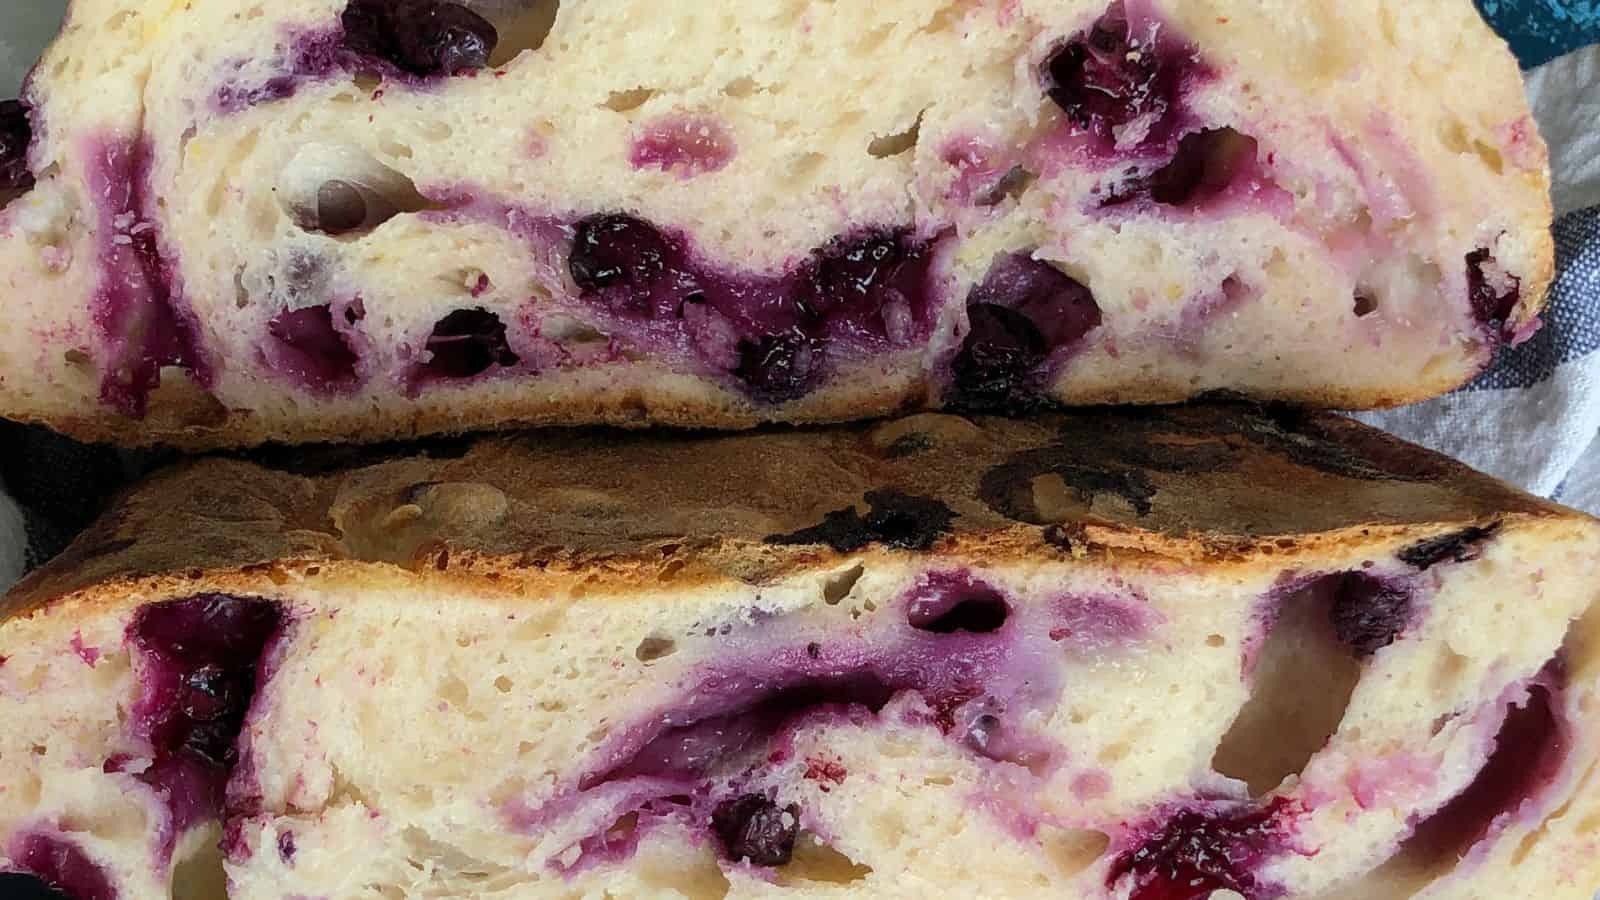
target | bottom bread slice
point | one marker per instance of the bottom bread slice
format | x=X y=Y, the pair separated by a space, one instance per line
x=1173 y=654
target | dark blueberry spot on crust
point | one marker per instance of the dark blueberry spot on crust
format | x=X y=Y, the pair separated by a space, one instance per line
x=311 y=350
x=1529 y=751
x=1491 y=305
x=286 y=847
x=1333 y=446
x=909 y=445
x=15 y=135
x=1368 y=612
x=778 y=367
x=753 y=827
x=946 y=604
x=1199 y=851
x=1115 y=452
x=319 y=459
x=1120 y=74
x=1457 y=546
x=466 y=343
x=61 y=865
x=896 y=519
x=422 y=37
x=1023 y=311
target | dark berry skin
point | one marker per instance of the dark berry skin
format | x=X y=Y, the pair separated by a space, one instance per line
x=467 y=343
x=1198 y=852
x=615 y=249
x=1023 y=310
x=754 y=828
x=1117 y=73
x=1490 y=307
x=422 y=37
x=851 y=275
x=870 y=290
x=896 y=519
x=778 y=367
x=1457 y=546
x=1368 y=613
x=15 y=135
x=999 y=354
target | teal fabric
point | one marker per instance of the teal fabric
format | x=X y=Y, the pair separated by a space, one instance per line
x=1541 y=30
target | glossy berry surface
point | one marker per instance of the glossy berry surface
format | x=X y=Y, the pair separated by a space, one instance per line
x=774 y=334
x=754 y=828
x=466 y=343
x=199 y=672
x=422 y=37
x=1024 y=311
x=1121 y=80
x=1199 y=851
x=1368 y=613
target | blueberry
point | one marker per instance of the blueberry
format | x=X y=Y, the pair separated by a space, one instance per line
x=17 y=886
x=286 y=847
x=1113 y=75
x=754 y=828
x=778 y=367
x=900 y=520
x=630 y=265
x=311 y=349
x=60 y=865
x=999 y=355
x=949 y=607
x=1061 y=309
x=466 y=343
x=209 y=693
x=15 y=134
x=854 y=275
x=200 y=673
x=1198 y=852
x=423 y=37
x=1456 y=546
x=1491 y=306
x=1368 y=613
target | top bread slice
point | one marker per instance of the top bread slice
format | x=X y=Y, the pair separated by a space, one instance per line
x=357 y=219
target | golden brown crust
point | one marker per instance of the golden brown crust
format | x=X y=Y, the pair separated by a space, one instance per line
x=196 y=423
x=1227 y=484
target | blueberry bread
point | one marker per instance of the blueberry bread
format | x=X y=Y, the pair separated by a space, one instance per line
x=332 y=219
x=1116 y=655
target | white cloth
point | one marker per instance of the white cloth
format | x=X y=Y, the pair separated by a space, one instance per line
x=1533 y=419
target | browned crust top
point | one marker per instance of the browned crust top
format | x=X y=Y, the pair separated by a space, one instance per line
x=1220 y=483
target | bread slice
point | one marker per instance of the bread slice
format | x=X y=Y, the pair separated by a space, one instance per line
x=1148 y=655
x=362 y=219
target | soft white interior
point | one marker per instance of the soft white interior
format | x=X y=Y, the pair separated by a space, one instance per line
x=843 y=116
x=408 y=716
